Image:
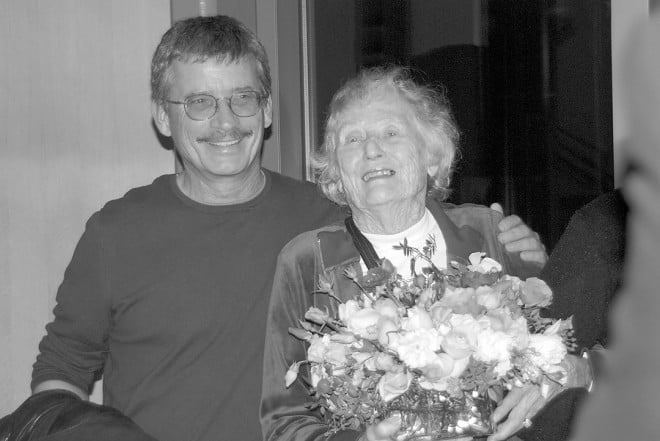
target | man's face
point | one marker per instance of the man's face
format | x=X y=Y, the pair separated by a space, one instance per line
x=225 y=145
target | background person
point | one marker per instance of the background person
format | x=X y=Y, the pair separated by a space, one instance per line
x=624 y=405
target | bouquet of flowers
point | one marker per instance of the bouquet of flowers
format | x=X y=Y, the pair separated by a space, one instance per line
x=434 y=350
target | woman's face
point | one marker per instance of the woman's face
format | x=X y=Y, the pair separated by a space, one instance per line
x=381 y=156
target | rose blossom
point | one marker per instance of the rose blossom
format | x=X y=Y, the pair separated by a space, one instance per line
x=461 y=340
x=436 y=375
x=317 y=372
x=323 y=350
x=418 y=318
x=460 y=300
x=483 y=264
x=360 y=321
x=387 y=308
x=493 y=346
x=384 y=362
x=416 y=348
x=501 y=320
x=393 y=384
x=535 y=292
x=386 y=327
x=548 y=348
x=488 y=297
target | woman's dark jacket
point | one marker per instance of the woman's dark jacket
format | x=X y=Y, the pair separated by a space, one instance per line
x=329 y=251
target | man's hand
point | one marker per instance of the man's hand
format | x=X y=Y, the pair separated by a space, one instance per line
x=516 y=236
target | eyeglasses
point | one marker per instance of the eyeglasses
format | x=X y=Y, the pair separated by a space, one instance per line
x=202 y=106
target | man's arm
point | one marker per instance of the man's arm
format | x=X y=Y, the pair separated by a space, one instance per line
x=59 y=384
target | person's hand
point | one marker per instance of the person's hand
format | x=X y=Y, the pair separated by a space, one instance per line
x=519 y=405
x=516 y=236
x=522 y=403
x=383 y=431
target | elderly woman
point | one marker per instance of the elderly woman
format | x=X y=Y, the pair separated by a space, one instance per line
x=388 y=141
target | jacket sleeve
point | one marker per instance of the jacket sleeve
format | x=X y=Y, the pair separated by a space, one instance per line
x=584 y=273
x=284 y=414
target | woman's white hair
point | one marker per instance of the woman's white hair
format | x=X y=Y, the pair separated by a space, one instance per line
x=431 y=114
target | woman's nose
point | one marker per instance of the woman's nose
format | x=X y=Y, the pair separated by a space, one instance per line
x=372 y=148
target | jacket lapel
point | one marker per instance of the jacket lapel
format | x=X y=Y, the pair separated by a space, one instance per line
x=461 y=242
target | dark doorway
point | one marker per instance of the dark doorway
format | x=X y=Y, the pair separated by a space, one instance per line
x=529 y=82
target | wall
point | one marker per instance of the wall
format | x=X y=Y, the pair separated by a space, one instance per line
x=75 y=131
x=625 y=16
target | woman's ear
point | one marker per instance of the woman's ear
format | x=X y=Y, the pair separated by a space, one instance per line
x=161 y=118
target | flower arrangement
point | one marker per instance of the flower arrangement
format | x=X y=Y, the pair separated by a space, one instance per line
x=435 y=350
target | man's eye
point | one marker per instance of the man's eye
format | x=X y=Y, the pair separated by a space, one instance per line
x=391 y=133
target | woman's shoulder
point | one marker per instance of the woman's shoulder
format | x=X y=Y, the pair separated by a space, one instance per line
x=306 y=242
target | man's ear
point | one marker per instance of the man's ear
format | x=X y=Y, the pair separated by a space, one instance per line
x=161 y=119
x=268 y=112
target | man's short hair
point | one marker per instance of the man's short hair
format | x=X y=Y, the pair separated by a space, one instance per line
x=198 y=39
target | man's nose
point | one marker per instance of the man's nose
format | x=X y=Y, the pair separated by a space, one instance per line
x=224 y=117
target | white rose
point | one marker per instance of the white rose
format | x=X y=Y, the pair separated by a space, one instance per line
x=386 y=327
x=416 y=348
x=535 y=292
x=392 y=384
x=546 y=350
x=437 y=375
x=387 y=308
x=316 y=350
x=488 y=297
x=418 y=318
x=318 y=373
x=363 y=322
x=460 y=300
x=461 y=340
x=384 y=362
x=323 y=350
x=500 y=320
x=482 y=264
x=493 y=346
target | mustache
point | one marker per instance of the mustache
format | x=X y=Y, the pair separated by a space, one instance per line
x=224 y=136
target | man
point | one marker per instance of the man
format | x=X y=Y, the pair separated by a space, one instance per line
x=167 y=291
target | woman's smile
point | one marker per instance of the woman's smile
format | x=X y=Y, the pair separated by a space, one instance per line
x=375 y=174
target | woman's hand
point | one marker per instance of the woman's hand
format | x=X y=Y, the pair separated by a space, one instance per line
x=522 y=403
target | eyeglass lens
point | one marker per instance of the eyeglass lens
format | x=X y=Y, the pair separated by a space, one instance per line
x=201 y=107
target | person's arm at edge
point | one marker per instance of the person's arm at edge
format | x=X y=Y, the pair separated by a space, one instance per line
x=60 y=385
